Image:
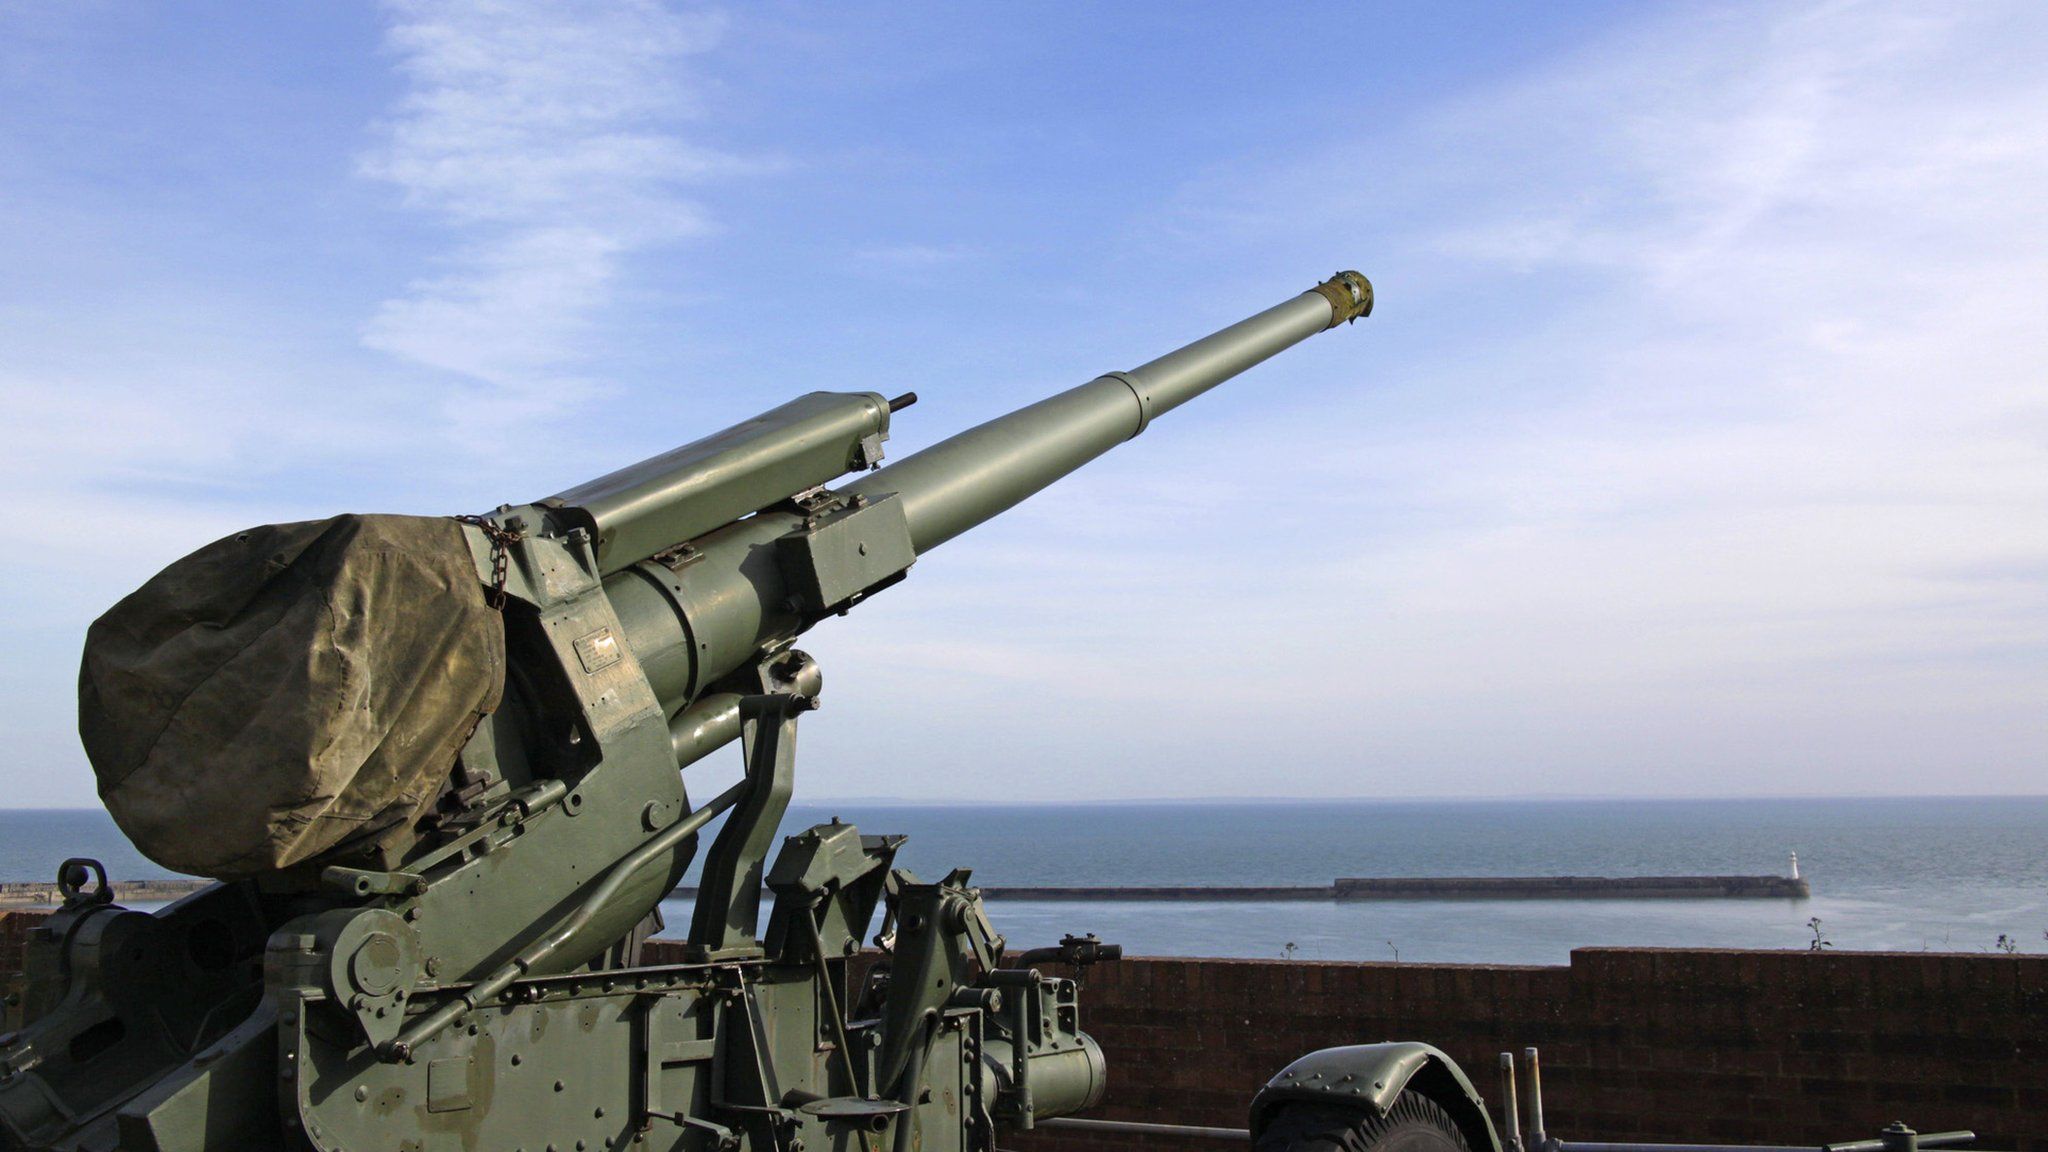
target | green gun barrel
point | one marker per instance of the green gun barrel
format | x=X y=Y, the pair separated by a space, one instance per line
x=961 y=482
x=739 y=593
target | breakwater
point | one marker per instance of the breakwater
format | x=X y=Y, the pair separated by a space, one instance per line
x=1450 y=888
x=1572 y=887
x=1162 y=892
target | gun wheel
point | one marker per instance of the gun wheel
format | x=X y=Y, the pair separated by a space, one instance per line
x=1414 y=1124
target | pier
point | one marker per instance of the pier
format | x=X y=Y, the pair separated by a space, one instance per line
x=1573 y=888
x=1451 y=888
x=1204 y=892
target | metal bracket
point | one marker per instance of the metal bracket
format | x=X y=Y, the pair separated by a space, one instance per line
x=745 y=1039
x=728 y=912
x=663 y=1051
x=362 y=882
x=726 y=1138
x=943 y=941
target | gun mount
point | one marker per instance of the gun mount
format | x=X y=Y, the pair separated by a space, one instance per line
x=456 y=963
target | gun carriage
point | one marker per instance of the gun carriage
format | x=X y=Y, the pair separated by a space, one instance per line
x=436 y=767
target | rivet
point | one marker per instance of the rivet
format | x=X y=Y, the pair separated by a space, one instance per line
x=362 y=1094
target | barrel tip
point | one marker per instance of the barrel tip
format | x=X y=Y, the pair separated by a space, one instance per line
x=1350 y=297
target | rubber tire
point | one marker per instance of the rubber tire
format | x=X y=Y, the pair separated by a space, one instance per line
x=1414 y=1124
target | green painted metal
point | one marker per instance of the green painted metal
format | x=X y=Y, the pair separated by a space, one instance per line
x=478 y=985
x=961 y=482
x=1371 y=1077
x=683 y=493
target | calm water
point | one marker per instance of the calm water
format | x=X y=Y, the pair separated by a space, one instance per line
x=1887 y=874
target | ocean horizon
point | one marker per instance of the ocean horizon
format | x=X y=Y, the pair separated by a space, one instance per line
x=1951 y=873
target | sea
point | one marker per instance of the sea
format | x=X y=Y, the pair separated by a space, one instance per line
x=1918 y=874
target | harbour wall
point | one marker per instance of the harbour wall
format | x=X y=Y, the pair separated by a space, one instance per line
x=1572 y=887
x=1450 y=888
x=1639 y=1044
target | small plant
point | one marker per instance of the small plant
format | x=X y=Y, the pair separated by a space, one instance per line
x=2006 y=944
x=1287 y=952
x=1818 y=943
x=1396 y=950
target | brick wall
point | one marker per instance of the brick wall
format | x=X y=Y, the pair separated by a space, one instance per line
x=1638 y=1044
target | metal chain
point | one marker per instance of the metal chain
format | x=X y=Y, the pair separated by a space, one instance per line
x=502 y=539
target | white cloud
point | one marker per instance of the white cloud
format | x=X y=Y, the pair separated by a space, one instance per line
x=1699 y=444
x=545 y=135
x=1791 y=522
x=1704 y=450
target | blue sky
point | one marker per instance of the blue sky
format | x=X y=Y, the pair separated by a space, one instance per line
x=1699 y=445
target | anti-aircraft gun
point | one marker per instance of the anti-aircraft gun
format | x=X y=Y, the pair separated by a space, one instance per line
x=435 y=765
